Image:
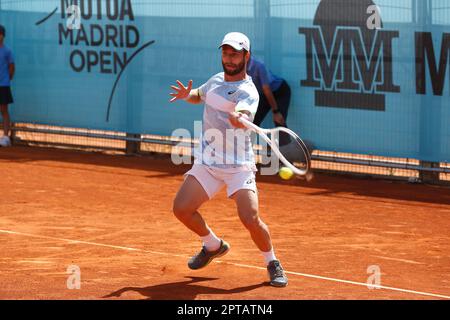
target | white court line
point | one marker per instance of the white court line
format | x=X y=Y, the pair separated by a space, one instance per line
x=228 y=263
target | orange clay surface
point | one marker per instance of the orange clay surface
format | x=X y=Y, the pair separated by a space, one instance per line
x=111 y=216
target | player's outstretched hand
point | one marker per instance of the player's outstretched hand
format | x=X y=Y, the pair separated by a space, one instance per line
x=181 y=92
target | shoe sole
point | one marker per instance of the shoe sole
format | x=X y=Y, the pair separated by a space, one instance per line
x=211 y=259
x=278 y=285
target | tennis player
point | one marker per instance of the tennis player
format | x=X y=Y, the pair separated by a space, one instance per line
x=227 y=96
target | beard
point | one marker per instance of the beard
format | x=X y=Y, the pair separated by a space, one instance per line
x=237 y=69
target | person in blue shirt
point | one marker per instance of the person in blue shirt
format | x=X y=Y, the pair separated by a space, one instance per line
x=7 y=69
x=274 y=93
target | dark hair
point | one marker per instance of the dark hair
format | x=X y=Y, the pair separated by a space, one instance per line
x=2 y=30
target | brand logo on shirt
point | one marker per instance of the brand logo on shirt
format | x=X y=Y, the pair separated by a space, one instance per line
x=231 y=92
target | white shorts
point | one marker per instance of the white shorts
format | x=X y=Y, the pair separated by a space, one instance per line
x=213 y=180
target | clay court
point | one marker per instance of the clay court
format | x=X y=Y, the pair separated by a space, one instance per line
x=111 y=216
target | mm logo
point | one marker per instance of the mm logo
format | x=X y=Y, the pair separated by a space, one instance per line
x=349 y=62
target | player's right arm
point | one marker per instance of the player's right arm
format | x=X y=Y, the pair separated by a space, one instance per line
x=185 y=93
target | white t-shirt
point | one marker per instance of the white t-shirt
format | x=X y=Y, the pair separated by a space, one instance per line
x=222 y=146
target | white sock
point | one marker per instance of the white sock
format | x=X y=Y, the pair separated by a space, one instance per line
x=269 y=256
x=211 y=242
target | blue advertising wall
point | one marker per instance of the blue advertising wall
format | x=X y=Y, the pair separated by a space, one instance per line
x=363 y=80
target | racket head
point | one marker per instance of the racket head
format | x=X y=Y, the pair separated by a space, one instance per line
x=292 y=151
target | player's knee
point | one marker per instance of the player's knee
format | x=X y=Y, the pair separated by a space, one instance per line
x=180 y=210
x=177 y=210
x=251 y=221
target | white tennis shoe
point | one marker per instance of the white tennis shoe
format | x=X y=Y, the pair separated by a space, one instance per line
x=5 y=141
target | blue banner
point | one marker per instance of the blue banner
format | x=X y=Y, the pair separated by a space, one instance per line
x=366 y=76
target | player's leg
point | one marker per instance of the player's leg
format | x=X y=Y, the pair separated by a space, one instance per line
x=246 y=198
x=247 y=206
x=198 y=187
x=187 y=201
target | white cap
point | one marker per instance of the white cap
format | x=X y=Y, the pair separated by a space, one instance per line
x=237 y=40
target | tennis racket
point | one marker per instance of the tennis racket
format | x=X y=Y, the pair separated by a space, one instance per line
x=295 y=155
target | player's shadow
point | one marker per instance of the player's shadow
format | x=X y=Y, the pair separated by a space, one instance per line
x=185 y=290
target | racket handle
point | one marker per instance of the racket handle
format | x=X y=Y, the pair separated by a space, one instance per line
x=248 y=124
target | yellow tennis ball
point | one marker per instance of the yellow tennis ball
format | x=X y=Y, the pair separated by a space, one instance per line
x=286 y=173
